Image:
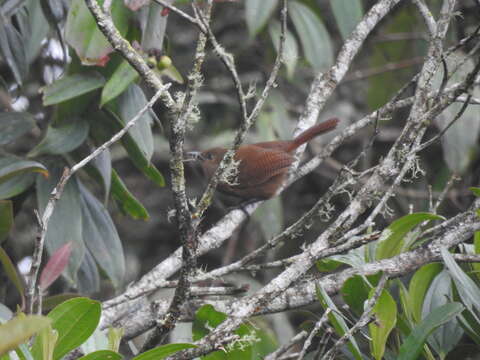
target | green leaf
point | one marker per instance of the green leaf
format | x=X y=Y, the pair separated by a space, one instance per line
x=67 y=211
x=71 y=86
x=101 y=237
x=12 y=49
x=153 y=25
x=467 y=289
x=392 y=241
x=355 y=292
x=290 y=48
x=11 y=166
x=315 y=39
x=38 y=30
x=16 y=185
x=88 y=277
x=257 y=12
x=82 y=34
x=13 y=125
x=18 y=330
x=127 y=202
x=6 y=218
x=475 y=191
x=74 y=320
x=337 y=321
x=385 y=311
x=348 y=13
x=62 y=139
x=419 y=285
x=163 y=351
x=447 y=336
x=11 y=272
x=102 y=355
x=48 y=339
x=49 y=302
x=125 y=108
x=413 y=345
x=121 y=78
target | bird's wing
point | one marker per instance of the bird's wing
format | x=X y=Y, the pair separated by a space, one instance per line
x=258 y=164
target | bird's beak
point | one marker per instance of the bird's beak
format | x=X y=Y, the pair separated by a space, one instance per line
x=193 y=156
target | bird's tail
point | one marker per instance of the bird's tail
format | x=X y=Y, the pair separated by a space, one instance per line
x=312 y=132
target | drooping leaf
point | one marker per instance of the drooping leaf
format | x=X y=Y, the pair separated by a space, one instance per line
x=88 y=277
x=314 y=37
x=62 y=139
x=11 y=166
x=71 y=86
x=385 y=311
x=419 y=285
x=122 y=77
x=446 y=337
x=163 y=351
x=355 y=292
x=74 y=320
x=38 y=30
x=13 y=125
x=103 y=164
x=55 y=265
x=101 y=237
x=6 y=218
x=12 y=50
x=392 y=240
x=153 y=24
x=82 y=34
x=337 y=321
x=19 y=329
x=11 y=272
x=412 y=346
x=16 y=185
x=257 y=13
x=290 y=48
x=127 y=202
x=459 y=143
x=65 y=224
x=348 y=13
x=128 y=104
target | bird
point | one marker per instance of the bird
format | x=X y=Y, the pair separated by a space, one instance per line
x=262 y=167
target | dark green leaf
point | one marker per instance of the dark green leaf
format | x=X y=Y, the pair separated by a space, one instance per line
x=13 y=125
x=348 y=13
x=11 y=272
x=413 y=345
x=163 y=351
x=355 y=292
x=6 y=218
x=11 y=166
x=88 y=276
x=82 y=34
x=65 y=224
x=392 y=240
x=16 y=185
x=12 y=49
x=103 y=164
x=123 y=76
x=101 y=237
x=62 y=139
x=419 y=285
x=38 y=30
x=314 y=37
x=257 y=13
x=75 y=320
x=385 y=311
x=127 y=202
x=18 y=330
x=71 y=86
x=102 y=355
x=153 y=25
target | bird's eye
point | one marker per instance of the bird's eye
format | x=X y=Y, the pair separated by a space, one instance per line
x=209 y=156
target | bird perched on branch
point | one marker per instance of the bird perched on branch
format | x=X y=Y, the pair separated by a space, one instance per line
x=261 y=167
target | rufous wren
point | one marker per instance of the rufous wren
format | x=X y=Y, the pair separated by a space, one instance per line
x=263 y=166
